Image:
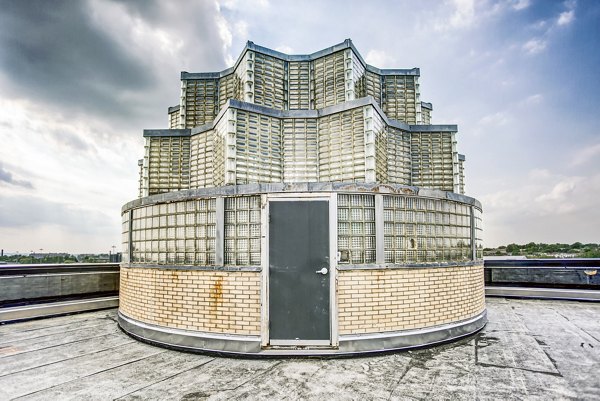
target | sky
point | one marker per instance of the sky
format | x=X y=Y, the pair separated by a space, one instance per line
x=80 y=80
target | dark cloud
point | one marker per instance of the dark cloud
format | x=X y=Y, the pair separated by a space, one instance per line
x=7 y=177
x=62 y=54
x=53 y=51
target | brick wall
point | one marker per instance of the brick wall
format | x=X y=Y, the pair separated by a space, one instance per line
x=208 y=301
x=372 y=301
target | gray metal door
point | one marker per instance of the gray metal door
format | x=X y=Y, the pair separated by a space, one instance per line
x=299 y=272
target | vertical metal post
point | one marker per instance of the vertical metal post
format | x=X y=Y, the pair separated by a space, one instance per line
x=473 y=242
x=379 y=232
x=220 y=231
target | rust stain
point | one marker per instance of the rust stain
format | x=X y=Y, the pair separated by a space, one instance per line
x=216 y=292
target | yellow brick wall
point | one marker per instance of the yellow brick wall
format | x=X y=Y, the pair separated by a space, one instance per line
x=208 y=301
x=371 y=301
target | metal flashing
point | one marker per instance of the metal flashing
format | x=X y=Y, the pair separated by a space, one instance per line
x=166 y=132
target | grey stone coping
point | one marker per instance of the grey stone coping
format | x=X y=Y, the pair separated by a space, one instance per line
x=192 y=267
x=394 y=266
x=301 y=187
x=340 y=267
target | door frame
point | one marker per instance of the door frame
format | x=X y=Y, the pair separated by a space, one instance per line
x=333 y=317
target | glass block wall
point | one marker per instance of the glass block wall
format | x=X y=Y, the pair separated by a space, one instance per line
x=342 y=146
x=329 y=81
x=419 y=230
x=168 y=163
x=300 y=150
x=412 y=230
x=199 y=100
x=299 y=85
x=478 y=232
x=174 y=233
x=400 y=97
x=202 y=154
x=174 y=117
x=242 y=231
x=356 y=229
x=270 y=86
x=258 y=148
x=433 y=160
x=398 y=155
x=125 y=237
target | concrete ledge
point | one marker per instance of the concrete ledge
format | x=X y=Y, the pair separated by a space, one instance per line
x=398 y=340
x=57 y=308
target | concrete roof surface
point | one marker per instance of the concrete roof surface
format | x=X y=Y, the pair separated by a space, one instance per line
x=530 y=350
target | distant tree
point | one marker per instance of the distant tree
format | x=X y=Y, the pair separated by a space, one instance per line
x=512 y=249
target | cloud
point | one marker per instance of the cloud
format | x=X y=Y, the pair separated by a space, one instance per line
x=379 y=58
x=8 y=178
x=55 y=52
x=519 y=5
x=533 y=99
x=32 y=211
x=586 y=155
x=534 y=46
x=543 y=206
x=566 y=17
x=497 y=119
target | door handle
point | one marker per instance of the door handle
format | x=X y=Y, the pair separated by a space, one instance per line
x=323 y=271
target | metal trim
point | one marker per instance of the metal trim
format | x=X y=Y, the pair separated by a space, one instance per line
x=411 y=338
x=250 y=345
x=302 y=343
x=188 y=340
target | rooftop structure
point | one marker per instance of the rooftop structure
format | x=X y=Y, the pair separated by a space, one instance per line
x=301 y=201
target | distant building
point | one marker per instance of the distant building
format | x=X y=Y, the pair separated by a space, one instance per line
x=301 y=201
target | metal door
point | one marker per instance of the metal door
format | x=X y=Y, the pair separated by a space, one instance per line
x=299 y=273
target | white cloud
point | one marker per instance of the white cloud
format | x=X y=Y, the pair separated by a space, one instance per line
x=379 y=58
x=565 y=18
x=542 y=206
x=520 y=4
x=532 y=100
x=534 y=46
x=462 y=16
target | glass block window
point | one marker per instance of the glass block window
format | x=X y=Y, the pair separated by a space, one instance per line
x=125 y=236
x=478 y=233
x=356 y=228
x=178 y=233
x=418 y=230
x=242 y=231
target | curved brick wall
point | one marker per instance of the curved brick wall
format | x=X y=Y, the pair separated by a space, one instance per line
x=380 y=300
x=225 y=302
